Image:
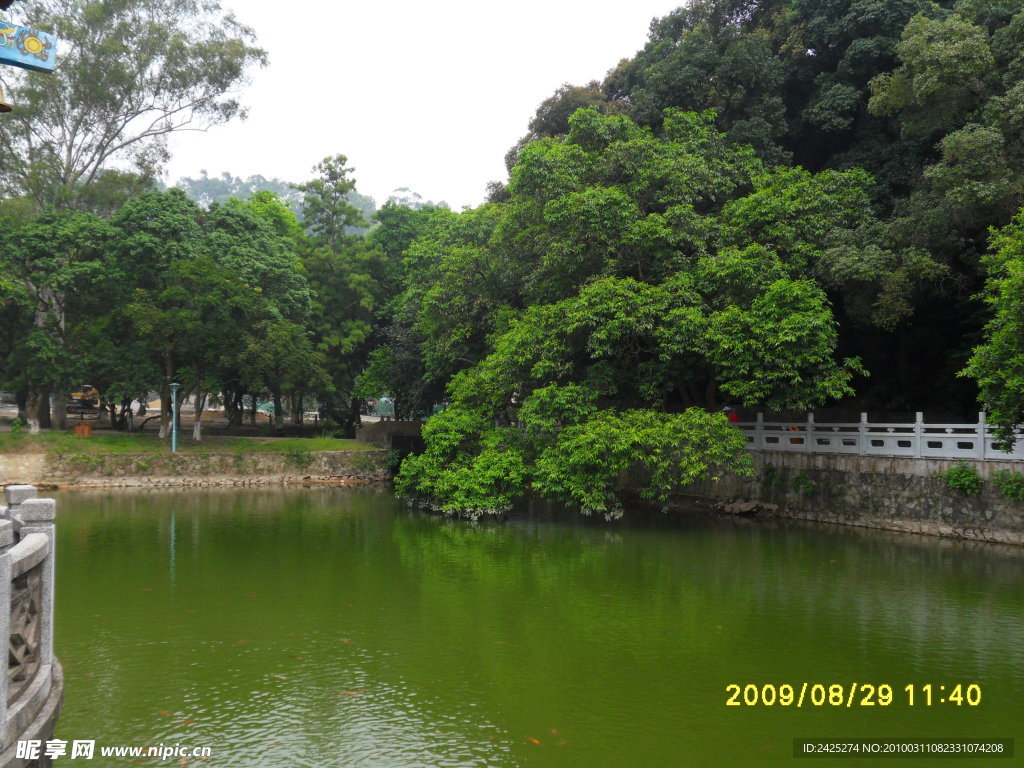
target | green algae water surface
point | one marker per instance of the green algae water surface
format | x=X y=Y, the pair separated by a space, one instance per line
x=330 y=627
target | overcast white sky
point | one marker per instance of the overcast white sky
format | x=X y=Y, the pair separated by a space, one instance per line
x=425 y=95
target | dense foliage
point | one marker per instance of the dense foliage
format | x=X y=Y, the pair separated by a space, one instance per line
x=1009 y=484
x=962 y=477
x=776 y=203
x=632 y=284
x=998 y=363
x=163 y=291
x=769 y=198
x=923 y=96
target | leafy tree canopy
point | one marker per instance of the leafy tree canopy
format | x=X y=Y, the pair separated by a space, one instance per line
x=326 y=210
x=632 y=283
x=133 y=72
x=998 y=363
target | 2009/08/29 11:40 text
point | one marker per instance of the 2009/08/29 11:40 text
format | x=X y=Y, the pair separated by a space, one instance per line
x=851 y=695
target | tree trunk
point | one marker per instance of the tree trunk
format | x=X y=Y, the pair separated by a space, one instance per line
x=33 y=404
x=278 y=410
x=234 y=406
x=691 y=388
x=165 y=414
x=43 y=413
x=229 y=405
x=124 y=420
x=354 y=418
x=57 y=412
x=165 y=395
x=197 y=428
x=297 y=403
x=252 y=409
x=711 y=395
x=21 y=399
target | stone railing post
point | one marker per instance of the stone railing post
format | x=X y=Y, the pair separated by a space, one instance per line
x=759 y=432
x=918 y=433
x=982 y=435
x=808 y=447
x=6 y=542
x=862 y=430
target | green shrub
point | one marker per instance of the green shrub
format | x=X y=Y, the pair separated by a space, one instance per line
x=83 y=462
x=802 y=483
x=962 y=477
x=16 y=427
x=1009 y=484
x=393 y=460
x=300 y=458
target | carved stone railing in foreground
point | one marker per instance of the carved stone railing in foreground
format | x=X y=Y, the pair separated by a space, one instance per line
x=31 y=691
x=912 y=439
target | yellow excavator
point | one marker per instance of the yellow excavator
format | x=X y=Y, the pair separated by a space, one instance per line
x=85 y=403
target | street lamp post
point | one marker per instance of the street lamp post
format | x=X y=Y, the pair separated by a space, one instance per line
x=175 y=386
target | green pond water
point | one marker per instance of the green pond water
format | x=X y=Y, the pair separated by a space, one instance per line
x=332 y=627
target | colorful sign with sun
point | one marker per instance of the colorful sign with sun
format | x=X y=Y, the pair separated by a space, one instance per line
x=27 y=48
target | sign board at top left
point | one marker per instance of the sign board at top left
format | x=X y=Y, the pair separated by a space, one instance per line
x=27 y=48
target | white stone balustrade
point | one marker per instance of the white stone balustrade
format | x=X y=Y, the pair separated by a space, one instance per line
x=32 y=689
x=915 y=439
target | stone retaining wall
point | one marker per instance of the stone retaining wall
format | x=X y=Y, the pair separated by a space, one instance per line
x=384 y=434
x=900 y=494
x=22 y=467
x=194 y=469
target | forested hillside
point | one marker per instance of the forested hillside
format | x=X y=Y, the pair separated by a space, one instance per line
x=925 y=97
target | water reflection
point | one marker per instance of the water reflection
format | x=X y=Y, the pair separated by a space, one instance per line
x=330 y=627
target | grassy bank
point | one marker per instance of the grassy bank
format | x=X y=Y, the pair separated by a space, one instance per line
x=120 y=442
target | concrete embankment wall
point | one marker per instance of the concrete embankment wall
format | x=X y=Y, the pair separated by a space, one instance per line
x=194 y=469
x=403 y=436
x=870 y=491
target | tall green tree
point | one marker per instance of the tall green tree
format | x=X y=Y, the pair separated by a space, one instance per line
x=326 y=210
x=157 y=233
x=631 y=285
x=711 y=55
x=279 y=356
x=197 y=321
x=254 y=240
x=998 y=362
x=133 y=72
x=396 y=367
x=63 y=262
x=342 y=275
